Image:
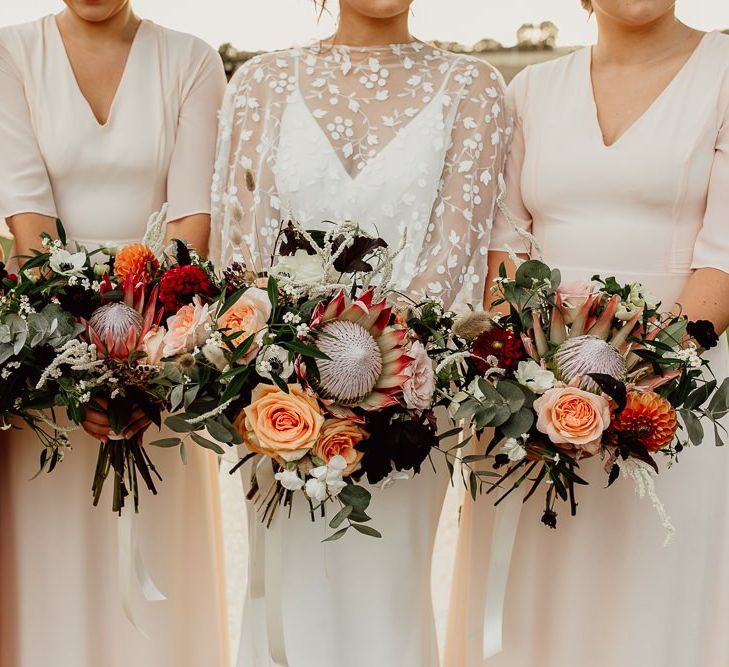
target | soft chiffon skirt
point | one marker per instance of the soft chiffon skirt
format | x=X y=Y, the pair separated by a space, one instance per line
x=60 y=601
x=602 y=590
x=358 y=601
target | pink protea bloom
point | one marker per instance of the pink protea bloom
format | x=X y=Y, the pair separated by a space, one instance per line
x=368 y=361
x=118 y=329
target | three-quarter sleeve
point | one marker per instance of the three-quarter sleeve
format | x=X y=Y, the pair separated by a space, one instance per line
x=711 y=249
x=24 y=183
x=513 y=213
x=191 y=166
x=454 y=256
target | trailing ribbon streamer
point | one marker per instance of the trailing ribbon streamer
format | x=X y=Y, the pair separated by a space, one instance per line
x=266 y=571
x=503 y=538
x=131 y=567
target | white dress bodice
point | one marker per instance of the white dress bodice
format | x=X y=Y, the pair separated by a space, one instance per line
x=400 y=139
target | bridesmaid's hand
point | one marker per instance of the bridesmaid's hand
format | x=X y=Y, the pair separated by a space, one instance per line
x=98 y=426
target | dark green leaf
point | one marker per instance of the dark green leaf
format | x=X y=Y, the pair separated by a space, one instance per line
x=207 y=444
x=366 y=530
x=340 y=516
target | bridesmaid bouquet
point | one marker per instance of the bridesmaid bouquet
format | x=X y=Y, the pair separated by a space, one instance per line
x=581 y=373
x=85 y=332
x=322 y=376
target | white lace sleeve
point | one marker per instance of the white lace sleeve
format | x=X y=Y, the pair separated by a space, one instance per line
x=454 y=257
x=244 y=188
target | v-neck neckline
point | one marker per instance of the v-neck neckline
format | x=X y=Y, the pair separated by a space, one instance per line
x=648 y=110
x=122 y=79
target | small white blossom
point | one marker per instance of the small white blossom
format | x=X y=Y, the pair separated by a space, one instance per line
x=532 y=376
x=514 y=449
x=290 y=480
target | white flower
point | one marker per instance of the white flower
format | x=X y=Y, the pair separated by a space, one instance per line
x=101 y=269
x=326 y=480
x=532 y=376
x=513 y=449
x=290 y=480
x=300 y=267
x=639 y=297
x=274 y=360
x=66 y=263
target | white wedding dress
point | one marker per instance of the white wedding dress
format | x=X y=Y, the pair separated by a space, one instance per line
x=400 y=137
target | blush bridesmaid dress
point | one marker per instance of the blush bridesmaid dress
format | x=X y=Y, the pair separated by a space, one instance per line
x=60 y=601
x=653 y=207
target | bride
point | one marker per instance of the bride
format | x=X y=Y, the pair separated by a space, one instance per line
x=375 y=126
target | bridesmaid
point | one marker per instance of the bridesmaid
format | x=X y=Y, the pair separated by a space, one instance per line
x=620 y=166
x=105 y=117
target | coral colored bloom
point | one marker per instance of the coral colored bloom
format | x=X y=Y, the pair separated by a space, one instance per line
x=573 y=417
x=136 y=260
x=281 y=425
x=340 y=437
x=648 y=417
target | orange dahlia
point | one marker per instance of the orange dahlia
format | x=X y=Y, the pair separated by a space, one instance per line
x=650 y=418
x=136 y=260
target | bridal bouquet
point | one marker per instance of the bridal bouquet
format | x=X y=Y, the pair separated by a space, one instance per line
x=85 y=332
x=577 y=374
x=320 y=373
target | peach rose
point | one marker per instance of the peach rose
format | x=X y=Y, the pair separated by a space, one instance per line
x=153 y=346
x=188 y=329
x=420 y=385
x=340 y=437
x=248 y=316
x=283 y=426
x=574 y=417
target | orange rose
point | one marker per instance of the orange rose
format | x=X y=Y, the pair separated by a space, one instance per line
x=340 y=437
x=573 y=417
x=283 y=426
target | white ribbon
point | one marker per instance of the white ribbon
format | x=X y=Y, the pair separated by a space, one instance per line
x=131 y=567
x=503 y=538
x=266 y=570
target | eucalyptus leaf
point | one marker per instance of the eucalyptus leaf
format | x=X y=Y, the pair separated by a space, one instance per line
x=207 y=444
x=341 y=516
x=218 y=431
x=366 y=530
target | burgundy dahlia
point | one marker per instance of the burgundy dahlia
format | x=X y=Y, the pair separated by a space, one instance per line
x=180 y=284
x=501 y=344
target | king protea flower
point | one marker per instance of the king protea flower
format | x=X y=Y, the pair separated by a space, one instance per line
x=367 y=357
x=589 y=344
x=118 y=329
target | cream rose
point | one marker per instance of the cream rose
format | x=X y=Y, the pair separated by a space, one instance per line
x=188 y=329
x=340 y=437
x=301 y=267
x=248 y=317
x=283 y=426
x=418 y=388
x=153 y=346
x=573 y=417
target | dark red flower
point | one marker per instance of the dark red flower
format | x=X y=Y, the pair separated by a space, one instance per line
x=180 y=284
x=501 y=344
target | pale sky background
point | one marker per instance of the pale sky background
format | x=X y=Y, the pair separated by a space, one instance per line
x=273 y=24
